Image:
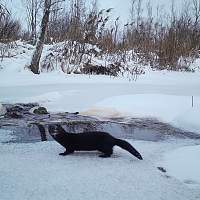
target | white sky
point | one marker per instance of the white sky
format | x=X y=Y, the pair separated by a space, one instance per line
x=121 y=7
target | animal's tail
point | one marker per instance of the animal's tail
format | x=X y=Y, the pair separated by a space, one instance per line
x=128 y=147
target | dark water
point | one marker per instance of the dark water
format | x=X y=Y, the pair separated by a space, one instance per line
x=23 y=125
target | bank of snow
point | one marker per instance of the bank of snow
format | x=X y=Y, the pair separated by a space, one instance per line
x=176 y=110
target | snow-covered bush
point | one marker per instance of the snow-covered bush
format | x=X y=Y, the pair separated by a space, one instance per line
x=74 y=57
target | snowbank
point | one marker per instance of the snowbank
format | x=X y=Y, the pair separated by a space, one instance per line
x=176 y=110
x=189 y=120
x=184 y=164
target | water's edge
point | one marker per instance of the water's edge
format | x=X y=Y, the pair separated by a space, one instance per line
x=24 y=125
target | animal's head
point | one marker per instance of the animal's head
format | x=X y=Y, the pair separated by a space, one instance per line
x=56 y=129
x=53 y=130
x=58 y=133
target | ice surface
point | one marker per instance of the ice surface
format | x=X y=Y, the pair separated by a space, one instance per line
x=6 y=136
x=36 y=171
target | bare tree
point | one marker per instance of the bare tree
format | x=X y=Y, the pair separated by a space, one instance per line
x=57 y=22
x=132 y=10
x=32 y=9
x=40 y=43
x=196 y=11
x=139 y=12
x=39 y=46
x=9 y=27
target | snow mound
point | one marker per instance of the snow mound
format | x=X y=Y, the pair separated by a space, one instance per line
x=184 y=164
x=189 y=120
x=176 y=110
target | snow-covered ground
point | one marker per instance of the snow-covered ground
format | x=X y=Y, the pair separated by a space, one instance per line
x=184 y=164
x=35 y=171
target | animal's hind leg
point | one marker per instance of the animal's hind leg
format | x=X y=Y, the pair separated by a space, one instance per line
x=107 y=152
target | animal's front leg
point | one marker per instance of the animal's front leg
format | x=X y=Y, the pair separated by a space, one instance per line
x=67 y=152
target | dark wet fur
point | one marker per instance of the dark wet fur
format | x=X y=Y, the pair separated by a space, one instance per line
x=89 y=141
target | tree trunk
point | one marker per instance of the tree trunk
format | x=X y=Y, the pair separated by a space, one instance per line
x=39 y=46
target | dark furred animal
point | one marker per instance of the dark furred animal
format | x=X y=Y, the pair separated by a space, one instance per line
x=89 y=141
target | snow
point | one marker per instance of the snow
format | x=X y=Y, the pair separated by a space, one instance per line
x=176 y=110
x=6 y=136
x=184 y=164
x=188 y=120
x=164 y=95
x=36 y=171
x=171 y=104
